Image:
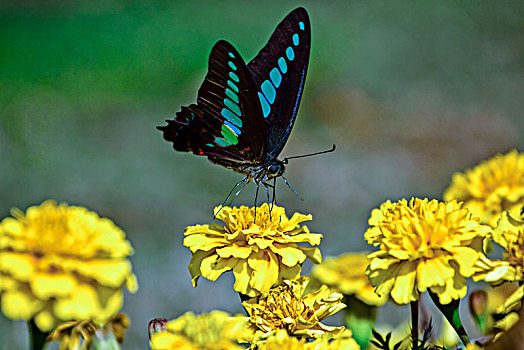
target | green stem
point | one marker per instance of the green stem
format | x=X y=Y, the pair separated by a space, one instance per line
x=37 y=337
x=414 y=323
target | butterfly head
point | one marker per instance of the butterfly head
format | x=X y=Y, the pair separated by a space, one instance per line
x=275 y=168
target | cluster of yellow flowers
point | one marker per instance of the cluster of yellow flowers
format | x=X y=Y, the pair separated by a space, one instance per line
x=64 y=268
x=61 y=263
x=264 y=249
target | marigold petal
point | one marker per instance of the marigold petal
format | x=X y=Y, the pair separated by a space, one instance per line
x=265 y=270
x=235 y=251
x=455 y=288
x=194 y=265
x=289 y=273
x=45 y=321
x=242 y=273
x=313 y=254
x=213 y=266
x=311 y=238
x=111 y=304
x=83 y=303
x=433 y=272
x=201 y=242
x=18 y=266
x=262 y=243
x=45 y=285
x=404 y=290
x=19 y=306
x=296 y=219
x=512 y=303
x=290 y=254
x=111 y=273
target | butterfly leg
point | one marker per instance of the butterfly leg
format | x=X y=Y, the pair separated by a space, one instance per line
x=244 y=182
x=255 y=204
x=269 y=205
x=292 y=189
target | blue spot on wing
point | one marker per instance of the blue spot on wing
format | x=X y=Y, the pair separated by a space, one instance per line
x=233 y=128
x=301 y=25
x=232 y=95
x=226 y=113
x=232 y=106
x=233 y=56
x=232 y=65
x=232 y=85
x=264 y=104
x=235 y=77
x=269 y=91
x=222 y=142
x=282 y=65
x=275 y=76
x=289 y=53
x=295 y=39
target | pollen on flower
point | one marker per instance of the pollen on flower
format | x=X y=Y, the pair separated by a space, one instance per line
x=493 y=186
x=262 y=250
x=286 y=308
x=59 y=263
x=423 y=244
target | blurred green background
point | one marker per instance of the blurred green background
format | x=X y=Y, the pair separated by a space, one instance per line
x=410 y=92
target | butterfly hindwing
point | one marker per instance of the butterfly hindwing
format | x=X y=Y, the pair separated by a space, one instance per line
x=279 y=72
x=226 y=124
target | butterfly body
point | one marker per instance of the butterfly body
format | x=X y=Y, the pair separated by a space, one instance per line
x=245 y=112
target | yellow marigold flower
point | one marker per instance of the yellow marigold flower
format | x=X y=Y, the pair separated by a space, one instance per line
x=423 y=244
x=347 y=274
x=214 y=331
x=281 y=340
x=509 y=234
x=491 y=187
x=285 y=307
x=60 y=263
x=261 y=254
x=79 y=335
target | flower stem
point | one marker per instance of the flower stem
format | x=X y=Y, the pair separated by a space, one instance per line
x=37 y=337
x=414 y=323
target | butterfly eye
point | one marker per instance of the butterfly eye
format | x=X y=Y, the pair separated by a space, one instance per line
x=273 y=169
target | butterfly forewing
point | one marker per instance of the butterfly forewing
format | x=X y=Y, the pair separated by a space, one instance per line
x=226 y=124
x=279 y=72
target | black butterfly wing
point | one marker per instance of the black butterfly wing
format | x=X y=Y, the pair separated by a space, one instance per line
x=226 y=123
x=279 y=72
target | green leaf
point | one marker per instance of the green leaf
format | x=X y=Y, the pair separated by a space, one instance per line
x=451 y=312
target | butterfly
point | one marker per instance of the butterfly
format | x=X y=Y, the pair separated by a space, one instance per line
x=244 y=113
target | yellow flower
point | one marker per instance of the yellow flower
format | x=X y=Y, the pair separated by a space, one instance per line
x=509 y=234
x=347 y=274
x=491 y=187
x=261 y=254
x=214 y=331
x=285 y=307
x=423 y=244
x=281 y=340
x=60 y=263
x=78 y=335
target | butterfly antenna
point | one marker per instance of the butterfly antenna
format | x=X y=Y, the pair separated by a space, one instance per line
x=243 y=182
x=292 y=189
x=285 y=161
